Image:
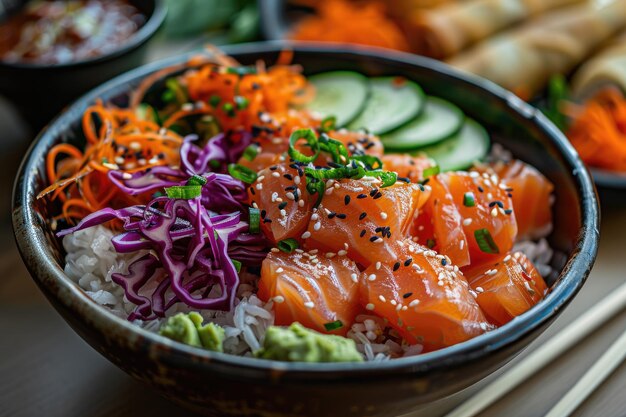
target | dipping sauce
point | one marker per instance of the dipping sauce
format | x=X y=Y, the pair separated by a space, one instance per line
x=55 y=32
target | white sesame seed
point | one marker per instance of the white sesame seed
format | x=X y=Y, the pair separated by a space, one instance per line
x=329 y=191
x=479 y=289
x=440 y=283
x=283 y=212
x=378 y=240
x=371 y=277
x=393 y=302
x=135 y=146
x=119 y=160
x=255 y=205
x=354 y=277
x=414 y=303
x=279 y=200
x=261 y=178
x=306 y=235
x=296 y=180
x=383 y=215
x=378 y=265
x=330 y=255
x=299 y=251
x=507 y=258
x=275 y=174
x=461 y=244
x=474 y=174
x=301 y=203
x=489 y=196
x=279 y=299
x=381 y=298
x=275 y=250
x=399 y=307
x=491 y=272
x=279 y=270
x=314 y=251
x=317 y=226
x=309 y=304
x=290 y=196
x=314 y=216
x=274 y=196
x=342 y=252
x=126 y=176
x=404 y=308
x=110 y=166
x=467 y=222
x=259 y=186
x=494 y=212
x=369 y=306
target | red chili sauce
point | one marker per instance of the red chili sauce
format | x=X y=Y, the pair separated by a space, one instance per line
x=56 y=31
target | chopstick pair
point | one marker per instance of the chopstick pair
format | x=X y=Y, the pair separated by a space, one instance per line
x=550 y=350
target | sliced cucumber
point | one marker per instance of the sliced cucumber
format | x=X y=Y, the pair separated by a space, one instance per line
x=393 y=102
x=439 y=120
x=341 y=94
x=460 y=151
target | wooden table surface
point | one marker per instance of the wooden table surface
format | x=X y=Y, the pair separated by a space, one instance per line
x=47 y=370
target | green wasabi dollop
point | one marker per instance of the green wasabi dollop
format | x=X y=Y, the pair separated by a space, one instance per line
x=188 y=329
x=296 y=343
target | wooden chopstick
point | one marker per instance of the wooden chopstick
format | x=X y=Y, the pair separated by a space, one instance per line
x=543 y=355
x=611 y=359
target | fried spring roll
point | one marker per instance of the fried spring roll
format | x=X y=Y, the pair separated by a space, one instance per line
x=608 y=67
x=523 y=59
x=446 y=30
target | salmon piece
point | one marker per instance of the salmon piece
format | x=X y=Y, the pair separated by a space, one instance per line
x=507 y=287
x=314 y=291
x=407 y=166
x=357 y=217
x=532 y=198
x=285 y=205
x=424 y=297
x=467 y=211
x=359 y=142
x=261 y=161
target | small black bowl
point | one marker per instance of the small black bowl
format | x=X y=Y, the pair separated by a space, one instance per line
x=217 y=384
x=40 y=91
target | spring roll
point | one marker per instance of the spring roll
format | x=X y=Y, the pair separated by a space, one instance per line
x=445 y=31
x=523 y=59
x=608 y=67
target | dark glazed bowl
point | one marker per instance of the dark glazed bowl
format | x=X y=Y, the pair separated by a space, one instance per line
x=40 y=91
x=220 y=385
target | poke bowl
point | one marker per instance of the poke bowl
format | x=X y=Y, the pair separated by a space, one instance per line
x=258 y=381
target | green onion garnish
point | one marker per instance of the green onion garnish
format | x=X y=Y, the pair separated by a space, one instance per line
x=288 y=245
x=196 y=180
x=485 y=241
x=214 y=101
x=328 y=124
x=372 y=162
x=430 y=171
x=242 y=173
x=311 y=140
x=255 y=220
x=468 y=199
x=335 y=148
x=251 y=152
x=237 y=265
x=179 y=92
x=229 y=109
x=316 y=186
x=387 y=177
x=241 y=71
x=430 y=243
x=185 y=192
x=241 y=102
x=333 y=325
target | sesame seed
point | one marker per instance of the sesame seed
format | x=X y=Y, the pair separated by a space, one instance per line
x=396 y=266
x=289 y=195
x=301 y=203
x=309 y=304
x=378 y=265
x=317 y=226
x=314 y=216
x=346 y=200
x=369 y=306
x=296 y=180
x=494 y=212
x=275 y=174
x=279 y=270
x=354 y=278
x=479 y=289
x=259 y=186
x=467 y=222
x=126 y=176
x=330 y=255
x=306 y=235
x=393 y=302
x=404 y=308
x=279 y=299
x=399 y=307
x=260 y=178
x=414 y=303
x=362 y=216
x=491 y=272
x=135 y=146
x=407 y=295
x=342 y=252
x=408 y=262
x=507 y=258
x=275 y=250
x=372 y=277
x=110 y=166
x=382 y=298
x=461 y=244
x=362 y=233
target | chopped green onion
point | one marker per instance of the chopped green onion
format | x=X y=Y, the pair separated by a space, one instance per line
x=185 y=192
x=328 y=124
x=430 y=243
x=241 y=102
x=468 y=199
x=236 y=264
x=241 y=71
x=387 y=177
x=485 y=241
x=288 y=245
x=196 y=180
x=255 y=220
x=180 y=93
x=214 y=101
x=251 y=152
x=316 y=186
x=229 y=109
x=242 y=173
x=431 y=171
x=333 y=325
x=335 y=148
x=372 y=162
x=311 y=140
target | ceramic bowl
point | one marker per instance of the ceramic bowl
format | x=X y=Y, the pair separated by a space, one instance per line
x=40 y=91
x=221 y=385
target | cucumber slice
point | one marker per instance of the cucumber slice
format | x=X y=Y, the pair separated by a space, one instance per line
x=439 y=120
x=391 y=104
x=460 y=151
x=341 y=94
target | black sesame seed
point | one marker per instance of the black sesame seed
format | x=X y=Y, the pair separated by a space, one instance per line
x=282 y=205
x=273 y=168
x=403 y=179
x=362 y=216
x=288 y=176
x=252 y=191
x=408 y=262
x=291 y=188
x=341 y=216
x=374 y=238
x=346 y=200
x=362 y=233
x=263 y=214
x=267 y=221
x=407 y=295
x=377 y=196
x=508 y=211
x=493 y=203
x=331 y=215
x=360 y=196
x=373 y=192
x=481 y=189
x=396 y=266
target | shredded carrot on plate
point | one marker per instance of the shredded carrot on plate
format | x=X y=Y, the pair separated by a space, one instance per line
x=598 y=130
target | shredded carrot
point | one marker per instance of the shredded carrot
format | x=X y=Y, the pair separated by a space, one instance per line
x=598 y=130
x=125 y=139
x=363 y=23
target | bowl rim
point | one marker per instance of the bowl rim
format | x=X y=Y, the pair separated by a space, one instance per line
x=145 y=32
x=31 y=241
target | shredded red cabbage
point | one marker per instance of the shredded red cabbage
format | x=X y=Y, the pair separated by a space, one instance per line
x=191 y=243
